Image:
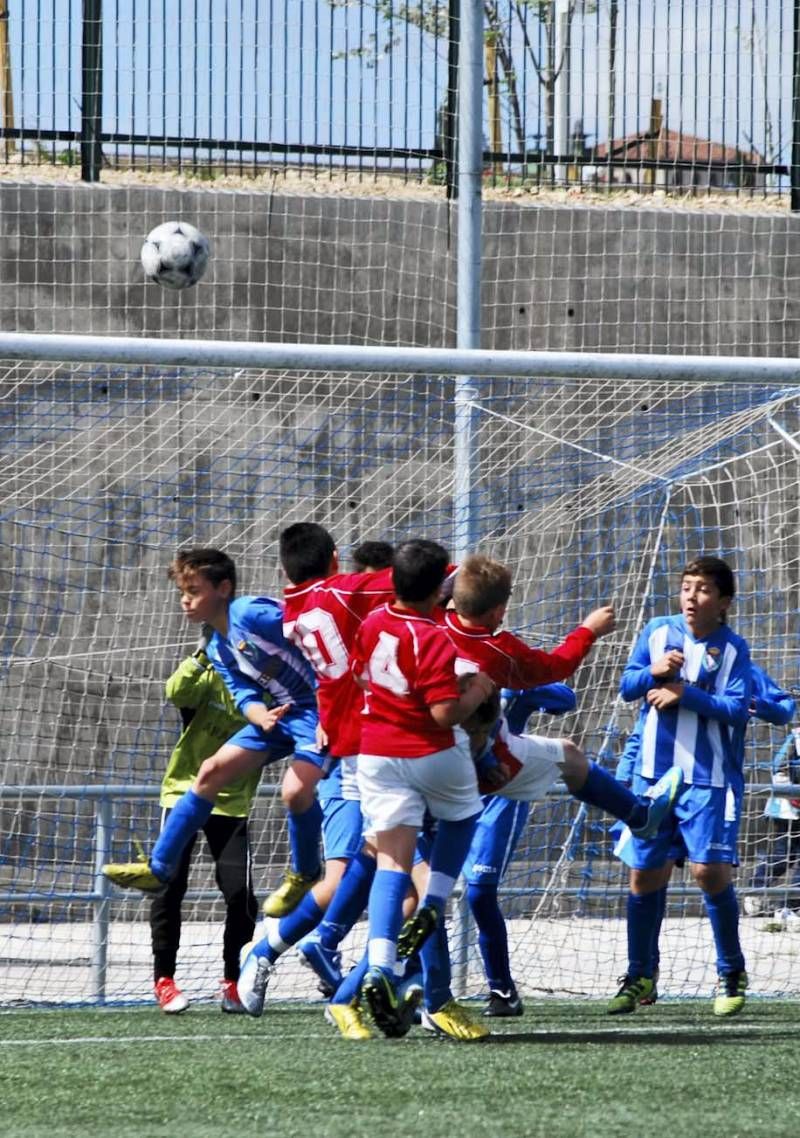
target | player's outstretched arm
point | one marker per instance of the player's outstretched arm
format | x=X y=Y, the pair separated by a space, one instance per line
x=601 y=621
x=770 y=702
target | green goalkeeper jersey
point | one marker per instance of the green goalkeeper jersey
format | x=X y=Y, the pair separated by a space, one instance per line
x=195 y=686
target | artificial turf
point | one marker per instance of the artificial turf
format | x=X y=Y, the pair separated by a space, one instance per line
x=564 y=1070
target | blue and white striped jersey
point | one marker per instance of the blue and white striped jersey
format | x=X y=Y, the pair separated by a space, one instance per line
x=256 y=657
x=704 y=734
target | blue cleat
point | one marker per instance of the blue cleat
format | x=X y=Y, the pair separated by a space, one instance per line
x=662 y=797
x=325 y=962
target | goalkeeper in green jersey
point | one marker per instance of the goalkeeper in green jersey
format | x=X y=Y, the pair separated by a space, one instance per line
x=209 y=719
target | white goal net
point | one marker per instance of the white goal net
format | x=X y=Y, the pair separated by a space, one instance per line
x=590 y=490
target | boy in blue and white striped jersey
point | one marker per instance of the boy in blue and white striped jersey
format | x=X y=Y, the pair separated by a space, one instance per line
x=693 y=676
x=274 y=688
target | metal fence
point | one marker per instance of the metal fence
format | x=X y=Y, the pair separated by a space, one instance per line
x=686 y=95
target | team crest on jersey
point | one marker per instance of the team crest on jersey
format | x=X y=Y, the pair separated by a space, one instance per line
x=710 y=661
x=271 y=669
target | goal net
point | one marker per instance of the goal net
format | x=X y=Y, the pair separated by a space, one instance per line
x=590 y=490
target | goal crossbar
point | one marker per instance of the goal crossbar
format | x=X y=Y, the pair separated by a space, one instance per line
x=419 y=361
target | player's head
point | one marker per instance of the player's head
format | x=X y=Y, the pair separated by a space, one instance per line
x=418 y=569
x=372 y=555
x=707 y=588
x=481 y=589
x=481 y=723
x=206 y=580
x=307 y=551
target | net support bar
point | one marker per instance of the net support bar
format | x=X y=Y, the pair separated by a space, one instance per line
x=420 y=361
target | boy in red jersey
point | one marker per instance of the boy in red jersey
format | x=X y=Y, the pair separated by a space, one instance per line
x=323 y=610
x=480 y=595
x=413 y=759
x=530 y=764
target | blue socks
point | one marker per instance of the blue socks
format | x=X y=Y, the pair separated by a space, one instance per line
x=492 y=936
x=602 y=789
x=282 y=934
x=662 y=909
x=436 y=975
x=642 y=914
x=300 y=921
x=723 y=912
x=386 y=897
x=189 y=814
x=304 y=835
x=448 y=853
x=350 y=987
x=349 y=901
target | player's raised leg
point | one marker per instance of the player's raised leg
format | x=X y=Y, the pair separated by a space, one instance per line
x=187 y=817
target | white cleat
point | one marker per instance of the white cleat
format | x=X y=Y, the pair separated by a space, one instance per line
x=254 y=974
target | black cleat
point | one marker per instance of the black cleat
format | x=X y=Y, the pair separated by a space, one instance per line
x=416 y=931
x=392 y=1014
x=503 y=1005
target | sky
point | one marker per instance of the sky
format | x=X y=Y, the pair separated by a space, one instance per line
x=320 y=71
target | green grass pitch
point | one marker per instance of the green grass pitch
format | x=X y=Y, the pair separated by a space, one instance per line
x=564 y=1070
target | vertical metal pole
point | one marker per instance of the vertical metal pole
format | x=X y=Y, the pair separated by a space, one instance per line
x=470 y=172
x=102 y=891
x=91 y=90
x=450 y=119
x=470 y=186
x=6 y=88
x=562 y=84
x=794 y=172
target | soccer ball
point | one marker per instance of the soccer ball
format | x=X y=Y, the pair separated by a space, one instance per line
x=175 y=254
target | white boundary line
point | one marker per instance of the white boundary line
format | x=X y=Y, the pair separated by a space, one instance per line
x=600 y=1029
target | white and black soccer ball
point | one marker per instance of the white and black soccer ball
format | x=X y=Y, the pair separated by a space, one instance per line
x=175 y=254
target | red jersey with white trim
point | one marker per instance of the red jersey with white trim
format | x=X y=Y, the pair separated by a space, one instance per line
x=409 y=663
x=322 y=618
x=512 y=663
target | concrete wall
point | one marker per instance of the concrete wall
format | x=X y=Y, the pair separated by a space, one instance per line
x=373 y=270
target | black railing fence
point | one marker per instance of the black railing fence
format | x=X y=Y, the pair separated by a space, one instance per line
x=681 y=95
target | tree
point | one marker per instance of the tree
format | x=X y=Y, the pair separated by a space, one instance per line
x=507 y=32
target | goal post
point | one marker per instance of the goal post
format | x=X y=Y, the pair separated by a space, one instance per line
x=594 y=477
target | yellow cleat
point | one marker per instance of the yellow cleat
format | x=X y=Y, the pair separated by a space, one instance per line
x=289 y=894
x=134 y=875
x=730 y=997
x=455 y=1022
x=349 y=1020
x=634 y=990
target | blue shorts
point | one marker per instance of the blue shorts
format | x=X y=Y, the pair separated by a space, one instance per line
x=331 y=785
x=496 y=835
x=295 y=734
x=422 y=850
x=342 y=828
x=704 y=827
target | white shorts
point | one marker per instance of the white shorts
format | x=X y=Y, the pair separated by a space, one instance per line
x=541 y=760
x=396 y=792
x=349 y=765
